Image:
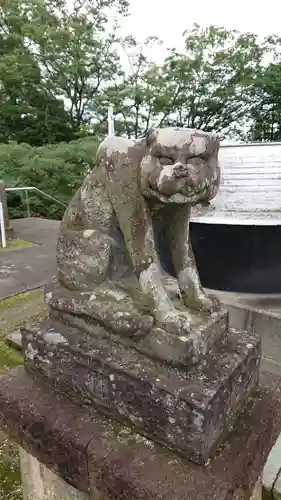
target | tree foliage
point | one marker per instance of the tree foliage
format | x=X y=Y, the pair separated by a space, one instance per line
x=212 y=84
x=266 y=105
x=56 y=57
x=57 y=169
x=209 y=81
x=137 y=92
x=63 y=63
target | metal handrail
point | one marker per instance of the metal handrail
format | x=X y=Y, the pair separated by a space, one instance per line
x=25 y=189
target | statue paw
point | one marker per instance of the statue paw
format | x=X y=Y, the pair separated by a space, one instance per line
x=175 y=322
x=204 y=303
x=133 y=325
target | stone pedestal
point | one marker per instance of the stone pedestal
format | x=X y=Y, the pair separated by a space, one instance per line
x=39 y=483
x=132 y=390
x=3 y=198
x=189 y=410
x=107 y=460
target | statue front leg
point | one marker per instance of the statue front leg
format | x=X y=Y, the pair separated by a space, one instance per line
x=192 y=292
x=135 y=221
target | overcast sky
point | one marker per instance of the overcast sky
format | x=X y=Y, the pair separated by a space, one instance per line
x=167 y=19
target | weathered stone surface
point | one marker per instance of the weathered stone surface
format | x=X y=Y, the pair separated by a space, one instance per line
x=14 y=339
x=175 y=350
x=188 y=410
x=46 y=425
x=39 y=483
x=93 y=453
x=257 y=493
x=111 y=258
x=271 y=471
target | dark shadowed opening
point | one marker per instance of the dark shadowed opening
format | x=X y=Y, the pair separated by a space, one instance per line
x=244 y=259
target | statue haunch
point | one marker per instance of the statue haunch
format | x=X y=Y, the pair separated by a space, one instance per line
x=110 y=268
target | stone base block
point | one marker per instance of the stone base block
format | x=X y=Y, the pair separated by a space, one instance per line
x=206 y=330
x=107 y=460
x=189 y=411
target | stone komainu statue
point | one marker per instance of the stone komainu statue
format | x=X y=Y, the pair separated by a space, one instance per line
x=110 y=265
x=159 y=358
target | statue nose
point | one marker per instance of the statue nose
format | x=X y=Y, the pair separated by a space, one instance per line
x=188 y=173
x=180 y=169
x=180 y=166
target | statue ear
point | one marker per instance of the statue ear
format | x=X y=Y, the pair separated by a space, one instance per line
x=151 y=136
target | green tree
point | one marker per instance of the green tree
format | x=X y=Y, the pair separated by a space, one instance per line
x=28 y=112
x=207 y=85
x=56 y=58
x=266 y=105
x=265 y=110
x=75 y=51
x=57 y=169
x=134 y=92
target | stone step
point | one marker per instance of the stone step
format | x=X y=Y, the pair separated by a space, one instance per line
x=108 y=460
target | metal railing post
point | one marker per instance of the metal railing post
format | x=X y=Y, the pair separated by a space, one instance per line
x=24 y=193
x=2 y=226
x=9 y=232
x=27 y=203
x=110 y=121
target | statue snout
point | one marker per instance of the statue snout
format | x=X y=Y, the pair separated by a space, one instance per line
x=186 y=172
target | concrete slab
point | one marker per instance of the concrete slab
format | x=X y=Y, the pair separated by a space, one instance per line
x=37 y=230
x=14 y=339
x=39 y=483
x=272 y=469
x=276 y=492
x=29 y=268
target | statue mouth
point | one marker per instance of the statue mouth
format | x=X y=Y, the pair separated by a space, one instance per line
x=179 y=189
x=179 y=197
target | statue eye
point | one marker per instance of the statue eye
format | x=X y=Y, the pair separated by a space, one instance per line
x=165 y=160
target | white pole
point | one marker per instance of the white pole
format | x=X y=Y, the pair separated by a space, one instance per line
x=110 y=120
x=2 y=226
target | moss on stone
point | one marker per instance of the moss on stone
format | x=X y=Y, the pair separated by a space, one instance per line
x=9 y=356
x=13 y=301
x=14 y=311
x=16 y=244
x=10 y=478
